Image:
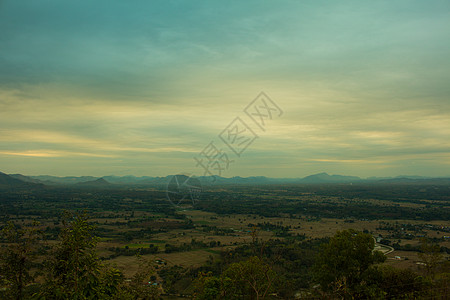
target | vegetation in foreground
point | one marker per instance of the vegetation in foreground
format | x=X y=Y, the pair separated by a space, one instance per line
x=344 y=266
x=69 y=269
x=243 y=242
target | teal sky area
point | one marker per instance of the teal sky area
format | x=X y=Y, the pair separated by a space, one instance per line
x=142 y=87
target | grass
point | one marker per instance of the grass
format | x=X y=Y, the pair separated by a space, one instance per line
x=136 y=246
x=201 y=222
x=104 y=239
x=144 y=244
x=213 y=251
x=157 y=242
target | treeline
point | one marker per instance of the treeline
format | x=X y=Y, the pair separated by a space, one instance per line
x=169 y=248
x=44 y=202
x=318 y=208
x=127 y=251
x=317 y=201
x=413 y=193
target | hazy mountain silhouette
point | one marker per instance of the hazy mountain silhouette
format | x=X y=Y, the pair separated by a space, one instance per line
x=159 y=182
x=52 y=180
x=416 y=180
x=325 y=178
x=8 y=182
x=98 y=183
x=25 y=178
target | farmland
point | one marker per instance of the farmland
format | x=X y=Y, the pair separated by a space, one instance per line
x=133 y=224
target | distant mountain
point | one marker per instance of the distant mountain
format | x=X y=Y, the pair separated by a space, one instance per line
x=416 y=180
x=63 y=180
x=8 y=182
x=129 y=179
x=217 y=180
x=98 y=183
x=25 y=178
x=161 y=182
x=376 y=178
x=325 y=178
x=413 y=177
x=206 y=180
x=153 y=181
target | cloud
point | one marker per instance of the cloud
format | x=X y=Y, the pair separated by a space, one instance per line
x=52 y=153
x=364 y=86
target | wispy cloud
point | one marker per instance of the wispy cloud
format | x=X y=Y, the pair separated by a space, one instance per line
x=111 y=86
x=52 y=153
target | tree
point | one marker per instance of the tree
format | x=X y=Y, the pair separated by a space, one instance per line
x=396 y=283
x=207 y=287
x=342 y=261
x=74 y=270
x=252 y=277
x=17 y=257
x=248 y=279
x=430 y=256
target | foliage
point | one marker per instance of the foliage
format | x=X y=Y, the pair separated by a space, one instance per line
x=73 y=267
x=74 y=270
x=291 y=259
x=430 y=256
x=341 y=263
x=394 y=283
x=251 y=279
x=16 y=259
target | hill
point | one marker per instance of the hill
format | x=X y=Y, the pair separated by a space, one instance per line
x=52 y=180
x=98 y=183
x=9 y=182
x=25 y=178
x=325 y=178
x=161 y=182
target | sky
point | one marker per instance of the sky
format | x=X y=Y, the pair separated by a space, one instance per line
x=161 y=87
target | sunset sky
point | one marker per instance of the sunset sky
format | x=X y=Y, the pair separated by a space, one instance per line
x=142 y=87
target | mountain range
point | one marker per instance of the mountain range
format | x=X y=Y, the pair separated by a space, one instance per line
x=12 y=182
x=19 y=181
